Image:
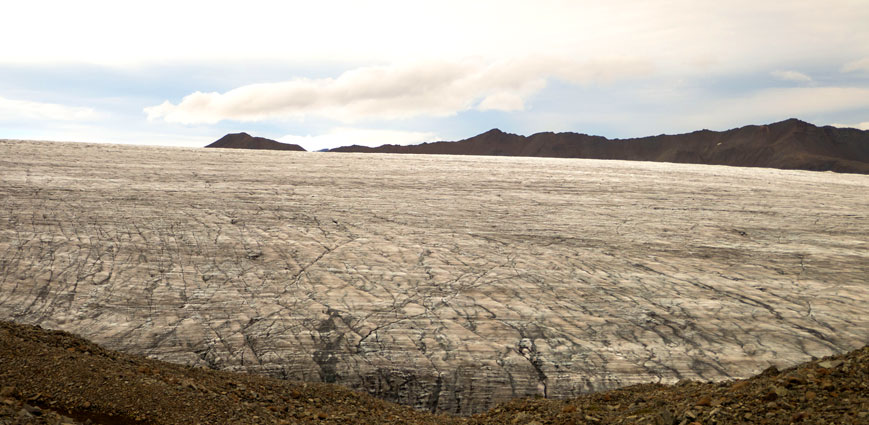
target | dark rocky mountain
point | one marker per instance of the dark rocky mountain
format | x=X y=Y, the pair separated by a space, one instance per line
x=246 y=141
x=789 y=144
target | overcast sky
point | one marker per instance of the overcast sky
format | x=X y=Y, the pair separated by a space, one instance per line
x=330 y=73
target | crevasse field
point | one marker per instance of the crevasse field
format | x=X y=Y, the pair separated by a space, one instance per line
x=447 y=283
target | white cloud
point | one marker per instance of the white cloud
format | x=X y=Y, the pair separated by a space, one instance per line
x=860 y=126
x=857 y=65
x=678 y=31
x=507 y=100
x=794 y=76
x=12 y=109
x=433 y=89
x=344 y=136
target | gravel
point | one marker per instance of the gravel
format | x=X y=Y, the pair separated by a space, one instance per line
x=53 y=377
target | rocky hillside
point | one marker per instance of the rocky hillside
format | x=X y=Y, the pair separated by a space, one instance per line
x=51 y=377
x=246 y=141
x=790 y=144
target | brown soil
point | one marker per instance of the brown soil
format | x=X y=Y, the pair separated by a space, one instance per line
x=790 y=144
x=246 y=141
x=51 y=377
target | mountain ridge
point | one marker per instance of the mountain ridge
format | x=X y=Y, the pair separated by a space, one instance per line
x=788 y=144
x=246 y=141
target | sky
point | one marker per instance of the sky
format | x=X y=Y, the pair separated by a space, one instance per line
x=333 y=73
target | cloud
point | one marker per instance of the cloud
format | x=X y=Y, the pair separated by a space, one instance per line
x=797 y=77
x=12 y=109
x=857 y=65
x=433 y=89
x=860 y=126
x=345 y=136
x=677 y=31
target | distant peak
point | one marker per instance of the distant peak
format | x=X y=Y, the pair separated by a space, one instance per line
x=495 y=131
x=791 y=121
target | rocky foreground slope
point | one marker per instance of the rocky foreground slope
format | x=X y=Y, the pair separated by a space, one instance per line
x=790 y=144
x=50 y=377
